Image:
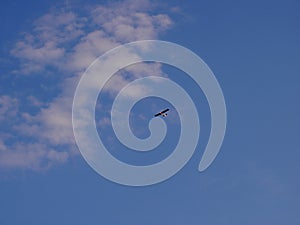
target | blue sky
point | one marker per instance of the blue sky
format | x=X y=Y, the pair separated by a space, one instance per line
x=251 y=46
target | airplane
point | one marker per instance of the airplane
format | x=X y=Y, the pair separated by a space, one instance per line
x=162 y=113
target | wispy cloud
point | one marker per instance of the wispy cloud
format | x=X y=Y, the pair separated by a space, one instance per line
x=73 y=41
x=34 y=156
x=65 y=43
x=48 y=43
x=8 y=107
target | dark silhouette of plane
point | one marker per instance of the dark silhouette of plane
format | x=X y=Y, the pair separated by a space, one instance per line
x=162 y=113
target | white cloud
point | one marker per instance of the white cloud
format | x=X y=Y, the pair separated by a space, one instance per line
x=8 y=107
x=34 y=156
x=68 y=43
x=18 y=126
x=128 y=23
x=69 y=25
x=47 y=44
x=71 y=41
x=91 y=46
x=56 y=126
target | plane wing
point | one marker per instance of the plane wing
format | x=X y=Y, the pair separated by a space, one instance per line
x=161 y=113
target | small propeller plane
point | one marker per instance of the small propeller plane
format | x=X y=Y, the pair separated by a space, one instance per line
x=162 y=113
